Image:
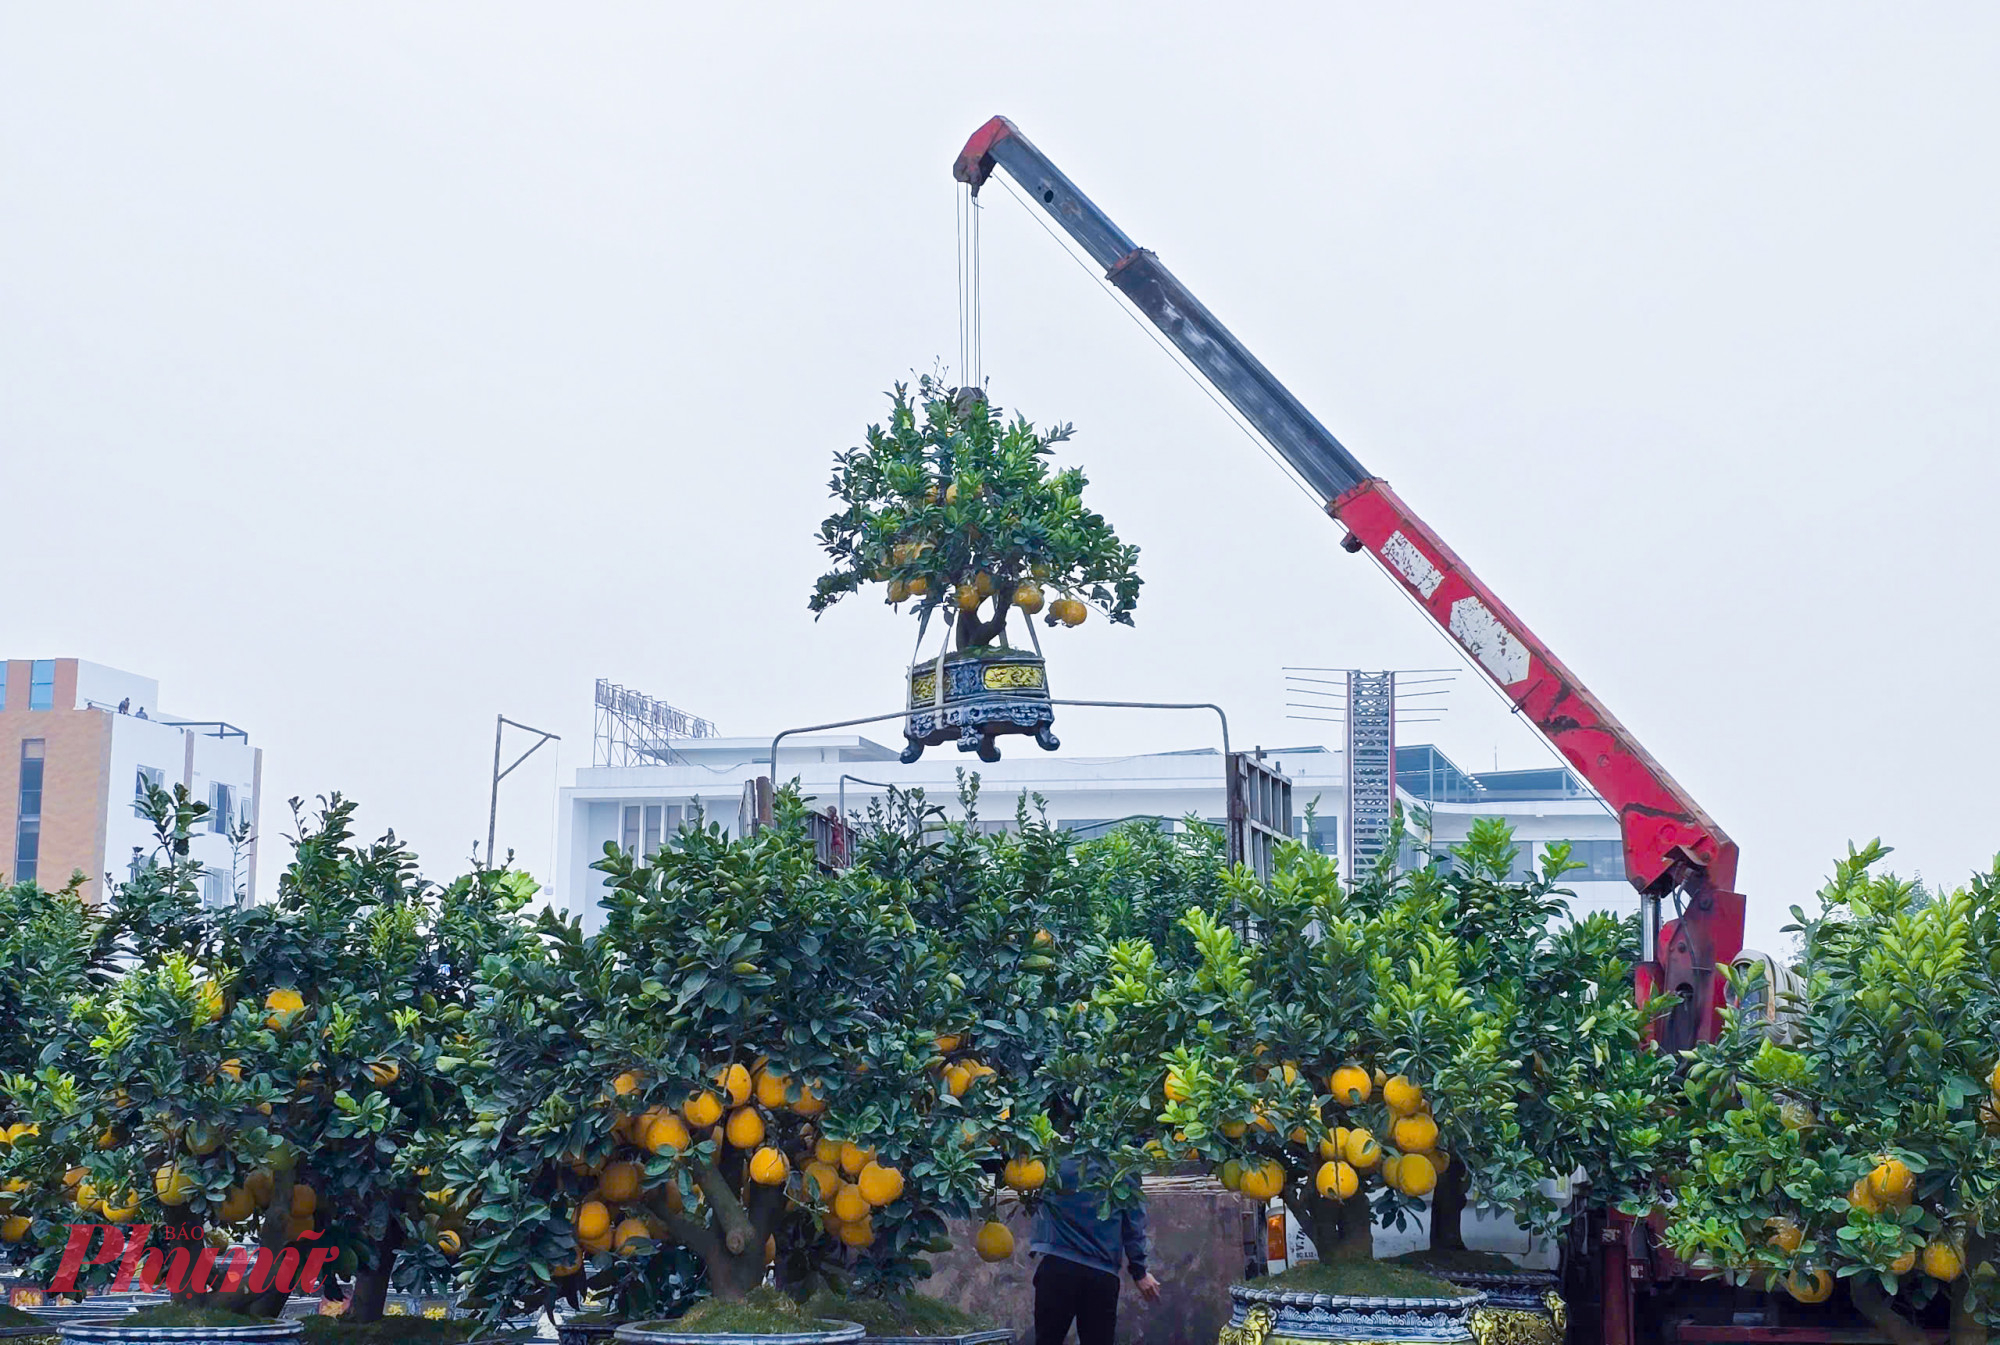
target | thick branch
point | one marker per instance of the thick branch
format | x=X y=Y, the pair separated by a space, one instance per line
x=973 y=632
x=738 y=1233
x=767 y=1210
x=1880 y=1310
x=697 y=1238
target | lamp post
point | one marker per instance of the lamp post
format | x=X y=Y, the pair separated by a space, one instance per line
x=500 y=723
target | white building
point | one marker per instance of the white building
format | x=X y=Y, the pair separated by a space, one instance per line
x=638 y=806
x=78 y=742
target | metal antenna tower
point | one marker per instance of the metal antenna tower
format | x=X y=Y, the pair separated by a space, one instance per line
x=633 y=729
x=1371 y=769
x=1369 y=705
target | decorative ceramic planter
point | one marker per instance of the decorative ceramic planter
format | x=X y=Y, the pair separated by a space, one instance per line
x=662 y=1333
x=586 y=1333
x=985 y=694
x=1522 y=1307
x=279 y=1331
x=1280 y=1317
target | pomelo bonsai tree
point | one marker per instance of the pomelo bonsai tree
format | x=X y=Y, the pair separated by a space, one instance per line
x=950 y=504
x=262 y=1072
x=1335 y=1059
x=1431 y=1036
x=1859 y=1140
x=752 y=1060
x=1589 y=1093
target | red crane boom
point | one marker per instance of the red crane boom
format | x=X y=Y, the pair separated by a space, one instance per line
x=1673 y=849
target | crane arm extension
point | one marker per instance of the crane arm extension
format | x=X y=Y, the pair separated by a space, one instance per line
x=1669 y=841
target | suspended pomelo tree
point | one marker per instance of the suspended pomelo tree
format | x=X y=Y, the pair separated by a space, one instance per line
x=958 y=511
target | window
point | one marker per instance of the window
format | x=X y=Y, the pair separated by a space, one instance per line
x=1602 y=861
x=629 y=842
x=221 y=809
x=28 y=827
x=151 y=776
x=42 y=685
x=217 y=892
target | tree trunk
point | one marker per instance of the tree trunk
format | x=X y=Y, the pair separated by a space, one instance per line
x=370 y=1293
x=731 y=1276
x=1448 y=1209
x=1874 y=1304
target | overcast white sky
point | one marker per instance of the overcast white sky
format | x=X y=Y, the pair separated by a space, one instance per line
x=369 y=369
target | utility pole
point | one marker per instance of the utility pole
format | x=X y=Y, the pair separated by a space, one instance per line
x=500 y=723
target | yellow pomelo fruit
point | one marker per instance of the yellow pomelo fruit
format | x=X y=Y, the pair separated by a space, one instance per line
x=1264 y=1181
x=627 y=1083
x=449 y=1242
x=880 y=1185
x=1362 y=1150
x=1415 y=1176
x=1415 y=1134
x=1403 y=1097
x=237 y=1205
x=858 y=1234
x=1175 y=1088
x=281 y=1005
x=593 y=1220
x=14 y=1227
x=853 y=1158
x=1905 y=1263
x=304 y=1200
x=849 y=1204
x=1816 y=1289
x=768 y=1167
x=994 y=1241
x=735 y=1081
x=770 y=1089
x=1784 y=1233
x=702 y=1110
x=1942 y=1261
x=1230 y=1174
x=746 y=1128
x=172 y=1185
x=827 y=1151
x=626 y=1237
x=822 y=1180
x=1892 y=1182
x=620 y=1182
x=1337 y=1180
x=663 y=1132
x=1024 y=1174
x=208 y=1003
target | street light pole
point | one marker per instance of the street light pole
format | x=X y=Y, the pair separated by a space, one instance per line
x=500 y=723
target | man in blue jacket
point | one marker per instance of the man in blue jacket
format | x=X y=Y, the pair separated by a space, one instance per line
x=1077 y=1280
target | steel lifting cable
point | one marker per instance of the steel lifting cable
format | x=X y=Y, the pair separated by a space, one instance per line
x=971 y=352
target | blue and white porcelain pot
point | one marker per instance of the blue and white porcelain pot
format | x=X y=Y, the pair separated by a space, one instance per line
x=1282 y=1317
